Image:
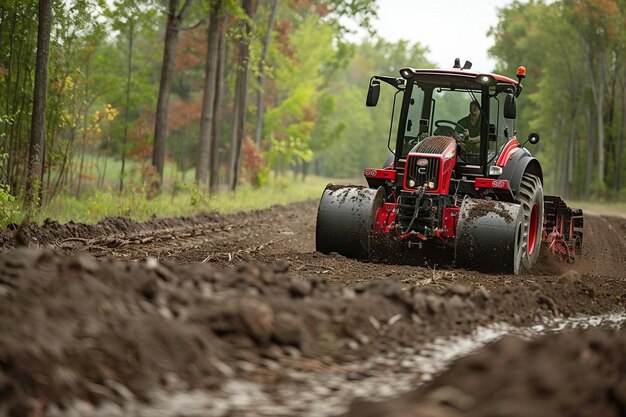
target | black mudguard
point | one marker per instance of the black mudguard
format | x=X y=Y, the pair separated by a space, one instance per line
x=521 y=162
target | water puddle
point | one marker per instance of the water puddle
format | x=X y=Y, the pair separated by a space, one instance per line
x=329 y=393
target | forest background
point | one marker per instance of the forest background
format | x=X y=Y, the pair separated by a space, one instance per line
x=146 y=99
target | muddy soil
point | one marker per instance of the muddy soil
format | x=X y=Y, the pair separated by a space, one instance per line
x=580 y=373
x=240 y=316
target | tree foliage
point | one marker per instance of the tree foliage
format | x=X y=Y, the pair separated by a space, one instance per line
x=574 y=94
x=304 y=92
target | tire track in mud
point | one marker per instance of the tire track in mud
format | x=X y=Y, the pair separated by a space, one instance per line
x=605 y=253
x=286 y=234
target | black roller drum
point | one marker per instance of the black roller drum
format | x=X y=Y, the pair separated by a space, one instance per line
x=345 y=220
x=489 y=236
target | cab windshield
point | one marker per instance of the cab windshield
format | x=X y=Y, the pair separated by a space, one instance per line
x=457 y=112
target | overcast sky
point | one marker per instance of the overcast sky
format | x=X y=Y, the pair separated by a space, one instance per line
x=449 y=28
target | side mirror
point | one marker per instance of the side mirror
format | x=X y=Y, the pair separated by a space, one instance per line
x=533 y=138
x=509 y=106
x=373 y=93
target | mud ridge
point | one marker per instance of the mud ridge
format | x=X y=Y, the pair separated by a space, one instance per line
x=51 y=232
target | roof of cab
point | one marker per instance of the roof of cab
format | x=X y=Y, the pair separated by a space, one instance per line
x=455 y=72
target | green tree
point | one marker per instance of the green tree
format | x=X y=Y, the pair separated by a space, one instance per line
x=18 y=38
x=128 y=17
x=365 y=131
x=573 y=50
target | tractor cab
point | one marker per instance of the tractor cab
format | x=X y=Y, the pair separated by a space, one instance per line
x=475 y=111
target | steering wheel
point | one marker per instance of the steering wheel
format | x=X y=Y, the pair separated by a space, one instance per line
x=449 y=124
x=439 y=123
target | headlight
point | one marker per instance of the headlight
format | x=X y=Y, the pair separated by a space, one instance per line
x=486 y=79
x=494 y=171
x=406 y=72
x=411 y=183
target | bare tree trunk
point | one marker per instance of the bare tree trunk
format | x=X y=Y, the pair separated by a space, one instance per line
x=260 y=109
x=7 y=78
x=239 y=119
x=174 y=20
x=214 y=162
x=62 y=170
x=11 y=179
x=590 y=149
x=597 y=83
x=178 y=153
x=208 y=96
x=612 y=108
x=37 y=129
x=18 y=98
x=128 y=79
x=48 y=148
x=15 y=134
x=104 y=169
x=305 y=170
x=241 y=93
x=568 y=162
x=84 y=136
x=559 y=159
x=570 y=165
x=183 y=156
x=600 y=126
x=619 y=146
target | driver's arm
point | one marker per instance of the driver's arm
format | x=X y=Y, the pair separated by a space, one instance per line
x=461 y=128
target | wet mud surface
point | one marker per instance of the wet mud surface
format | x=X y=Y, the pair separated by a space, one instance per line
x=238 y=315
x=579 y=373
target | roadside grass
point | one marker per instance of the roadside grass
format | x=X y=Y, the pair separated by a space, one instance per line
x=185 y=199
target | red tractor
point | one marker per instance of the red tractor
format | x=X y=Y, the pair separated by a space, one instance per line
x=467 y=185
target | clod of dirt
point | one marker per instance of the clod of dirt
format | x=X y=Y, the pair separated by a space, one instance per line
x=337 y=187
x=481 y=208
x=579 y=373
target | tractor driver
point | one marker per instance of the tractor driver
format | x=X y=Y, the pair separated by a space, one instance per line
x=470 y=124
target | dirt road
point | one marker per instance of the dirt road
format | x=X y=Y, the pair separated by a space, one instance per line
x=238 y=315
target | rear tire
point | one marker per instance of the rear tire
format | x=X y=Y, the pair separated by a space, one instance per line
x=530 y=197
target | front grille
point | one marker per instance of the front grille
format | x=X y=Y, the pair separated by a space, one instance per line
x=424 y=174
x=434 y=144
